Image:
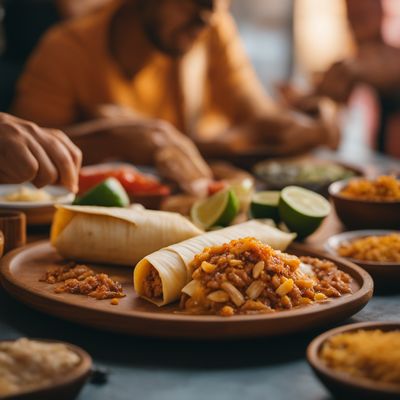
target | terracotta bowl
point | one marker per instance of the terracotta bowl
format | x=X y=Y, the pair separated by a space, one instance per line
x=1 y=244
x=344 y=386
x=66 y=387
x=363 y=214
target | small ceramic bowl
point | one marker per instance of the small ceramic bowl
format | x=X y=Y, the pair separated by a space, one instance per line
x=319 y=186
x=343 y=386
x=66 y=387
x=364 y=214
x=385 y=274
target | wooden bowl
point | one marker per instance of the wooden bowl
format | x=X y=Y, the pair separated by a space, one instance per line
x=13 y=227
x=342 y=385
x=66 y=387
x=364 y=214
x=386 y=275
x=1 y=244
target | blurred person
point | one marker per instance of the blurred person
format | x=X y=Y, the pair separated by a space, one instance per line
x=376 y=64
x=22 y=25
x=172 y=71
x=25 y=21
x=42 y=156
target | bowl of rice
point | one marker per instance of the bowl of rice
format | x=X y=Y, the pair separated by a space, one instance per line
x=367 y=203
x=359 y=361
x=377 y=251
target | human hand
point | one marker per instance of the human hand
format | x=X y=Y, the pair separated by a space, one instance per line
x=42 y=156
x=378 y=65
x=338 y=81
x=149 y=141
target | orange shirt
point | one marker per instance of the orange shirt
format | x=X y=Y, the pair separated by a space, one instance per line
x=72 y=72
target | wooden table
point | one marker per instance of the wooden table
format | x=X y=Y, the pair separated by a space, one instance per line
x=142 y=368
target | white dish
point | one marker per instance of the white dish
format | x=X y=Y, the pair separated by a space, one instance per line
x=60 y=196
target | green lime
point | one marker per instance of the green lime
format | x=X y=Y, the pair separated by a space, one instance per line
x=108 y=193
x=265 y=205
x=219 y=209
x=244 y=190
x=302 y=210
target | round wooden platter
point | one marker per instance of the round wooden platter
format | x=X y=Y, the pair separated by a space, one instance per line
x=22 y=269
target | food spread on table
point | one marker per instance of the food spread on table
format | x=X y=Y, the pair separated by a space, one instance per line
x=27 y=194
x=384 y=248
x=208 y=263
x=247 y=276
x=384 y=188
x=368 y=354
x=27 y=365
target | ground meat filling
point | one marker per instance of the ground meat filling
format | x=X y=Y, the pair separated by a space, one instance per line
x=248 y=277
x=152 y=285
x=331 y=281
x=80 y=279
x=71 y=271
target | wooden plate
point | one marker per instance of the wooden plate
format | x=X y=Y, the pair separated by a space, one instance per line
x=343 y=385
x=385 y=274
x=66 y=387
x=22 y=269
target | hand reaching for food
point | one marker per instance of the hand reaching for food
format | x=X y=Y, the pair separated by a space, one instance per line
x=31 y=153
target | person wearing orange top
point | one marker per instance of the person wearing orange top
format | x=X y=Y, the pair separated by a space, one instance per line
x=143 y=80
x=375 y=64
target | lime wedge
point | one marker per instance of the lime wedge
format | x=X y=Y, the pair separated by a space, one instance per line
x=219 y=209
x=265 y=205
x=302 y=210
x=108 y=193
x=243 y=190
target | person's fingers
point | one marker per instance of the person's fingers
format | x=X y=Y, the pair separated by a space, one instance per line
x=17 y=163
x=75 y=152
x=175 y=165
x=62 y=159
x=47 y=172
x=175 y=138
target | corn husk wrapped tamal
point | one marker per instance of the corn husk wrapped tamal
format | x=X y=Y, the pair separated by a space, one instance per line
x=116 y=235
x=161 y=276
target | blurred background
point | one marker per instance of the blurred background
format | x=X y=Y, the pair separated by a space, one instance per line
x=286 y=40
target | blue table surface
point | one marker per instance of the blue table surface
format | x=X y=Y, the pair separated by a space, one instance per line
x=143 y=368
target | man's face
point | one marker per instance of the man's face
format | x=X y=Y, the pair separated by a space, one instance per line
x=174 y=25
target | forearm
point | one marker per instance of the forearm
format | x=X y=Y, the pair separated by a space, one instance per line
x=276 y=134
x=100 y=141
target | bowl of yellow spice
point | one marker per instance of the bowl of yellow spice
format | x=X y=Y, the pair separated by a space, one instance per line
x=359 y=361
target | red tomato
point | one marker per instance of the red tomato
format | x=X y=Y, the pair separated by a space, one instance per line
x=216 y=186
x=134 y=182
